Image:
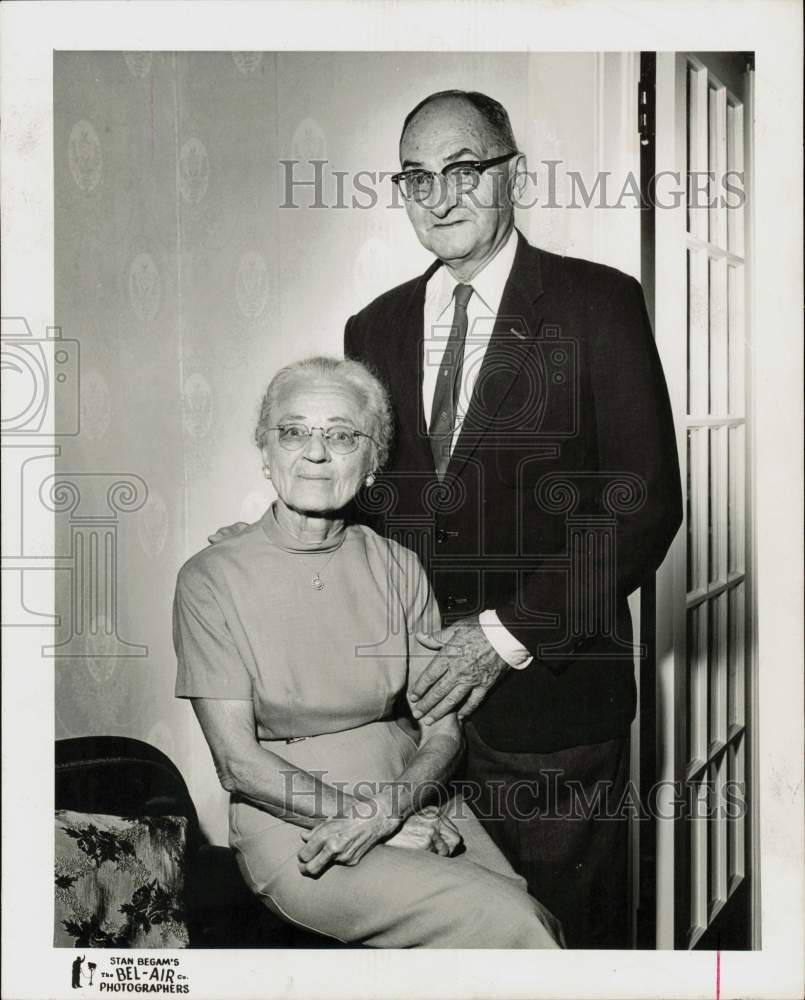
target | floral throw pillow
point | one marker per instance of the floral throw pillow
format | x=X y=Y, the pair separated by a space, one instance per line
x=119 y=882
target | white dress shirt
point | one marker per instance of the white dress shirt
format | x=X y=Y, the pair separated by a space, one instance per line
x=482 y=310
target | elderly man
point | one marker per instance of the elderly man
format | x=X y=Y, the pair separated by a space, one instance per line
x=535 y=471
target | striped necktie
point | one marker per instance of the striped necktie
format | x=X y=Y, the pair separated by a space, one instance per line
x=448 y=384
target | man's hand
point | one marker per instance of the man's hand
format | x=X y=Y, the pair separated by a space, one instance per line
x=229 y=531
x=461 y=674
x=427 y=830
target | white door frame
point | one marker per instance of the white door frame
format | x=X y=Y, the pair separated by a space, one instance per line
x=671 y=321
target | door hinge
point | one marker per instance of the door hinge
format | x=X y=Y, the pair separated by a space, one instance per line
x=645 y=111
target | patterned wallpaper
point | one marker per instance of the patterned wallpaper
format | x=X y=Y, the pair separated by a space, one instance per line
x=187 y=285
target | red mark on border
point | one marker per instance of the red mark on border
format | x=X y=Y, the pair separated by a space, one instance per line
x=718 y=975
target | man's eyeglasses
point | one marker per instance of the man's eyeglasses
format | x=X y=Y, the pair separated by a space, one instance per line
x=340 y=440
x=464 y=175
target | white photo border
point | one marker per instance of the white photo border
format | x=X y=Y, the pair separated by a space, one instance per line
x=32 y=967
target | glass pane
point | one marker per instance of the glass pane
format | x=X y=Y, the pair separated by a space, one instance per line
x=698 y=856
x=717 y=163
x=735 y=333
x=698 y=333
x=697 y=128
x=736 y=678
x=717 y=829
x=689 y=286
x=712 y=235
x=691 y=83
x=726 y=383
x=697 y=483
x=736 y=812
x=717 y=364
x=717 y=670
x=696 y=657
x=710 y=345
x=712 y=508
x=735 y=166
x=718 y=510
x=735 y=501
x=691 y=551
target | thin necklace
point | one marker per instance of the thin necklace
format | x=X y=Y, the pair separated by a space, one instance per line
x=316 y=581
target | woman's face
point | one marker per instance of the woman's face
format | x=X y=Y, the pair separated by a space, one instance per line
x=314 y=480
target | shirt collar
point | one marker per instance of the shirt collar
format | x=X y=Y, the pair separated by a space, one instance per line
x=488 y=284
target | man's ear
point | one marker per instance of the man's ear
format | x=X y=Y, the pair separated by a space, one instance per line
x=518 y=178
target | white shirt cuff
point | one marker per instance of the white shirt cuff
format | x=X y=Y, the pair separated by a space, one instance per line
x=503 y=642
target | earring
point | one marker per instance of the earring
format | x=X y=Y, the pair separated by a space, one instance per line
x=267 y=471
x=370 y=479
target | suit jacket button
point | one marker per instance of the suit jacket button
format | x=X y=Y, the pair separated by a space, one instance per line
x=441 y=536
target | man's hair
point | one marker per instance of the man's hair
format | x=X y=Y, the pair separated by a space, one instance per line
x=364 y=383
x=492 y=112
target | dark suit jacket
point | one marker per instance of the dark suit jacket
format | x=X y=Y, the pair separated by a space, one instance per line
x=562 y=494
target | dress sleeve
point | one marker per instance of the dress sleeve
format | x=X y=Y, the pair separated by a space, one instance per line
x=421 y=610
x=208 y=662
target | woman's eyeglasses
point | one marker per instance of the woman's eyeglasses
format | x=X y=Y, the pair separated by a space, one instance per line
x=340 y=440
x=464 y=176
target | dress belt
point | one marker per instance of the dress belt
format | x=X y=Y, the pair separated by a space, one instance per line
x=298 y=739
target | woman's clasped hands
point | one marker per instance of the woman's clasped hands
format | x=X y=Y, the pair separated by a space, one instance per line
x=345 y=840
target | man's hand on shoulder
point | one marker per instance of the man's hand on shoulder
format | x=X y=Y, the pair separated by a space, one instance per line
x=228 y=531
x=460 y=675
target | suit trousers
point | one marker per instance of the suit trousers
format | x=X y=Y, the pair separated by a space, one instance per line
x=555 y=817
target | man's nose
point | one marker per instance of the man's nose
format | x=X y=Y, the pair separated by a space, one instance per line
x=443 y=198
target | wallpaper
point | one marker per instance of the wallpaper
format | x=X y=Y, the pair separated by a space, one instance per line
x=184 y=277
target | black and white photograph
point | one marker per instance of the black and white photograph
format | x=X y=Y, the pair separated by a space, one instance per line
x=402 y=499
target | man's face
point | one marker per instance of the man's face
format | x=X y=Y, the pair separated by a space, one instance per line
x=460 y=229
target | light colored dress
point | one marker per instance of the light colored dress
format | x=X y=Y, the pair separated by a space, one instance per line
x=326 y=670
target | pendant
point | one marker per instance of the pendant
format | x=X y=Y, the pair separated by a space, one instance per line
x=317 y=583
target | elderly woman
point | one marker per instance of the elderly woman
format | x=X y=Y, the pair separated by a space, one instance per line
x=296 y=642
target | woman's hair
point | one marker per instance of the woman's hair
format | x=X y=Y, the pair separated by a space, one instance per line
x=364 y=383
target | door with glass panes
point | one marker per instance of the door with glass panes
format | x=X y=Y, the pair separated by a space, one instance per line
x=706 y=846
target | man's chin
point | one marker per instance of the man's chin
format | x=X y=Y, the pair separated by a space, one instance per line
x=451 y=242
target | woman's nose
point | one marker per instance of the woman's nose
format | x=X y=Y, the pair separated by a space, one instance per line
x=316 y=450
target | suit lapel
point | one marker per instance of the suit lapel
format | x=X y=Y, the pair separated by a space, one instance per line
x=409 y=372
x=512 y=341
